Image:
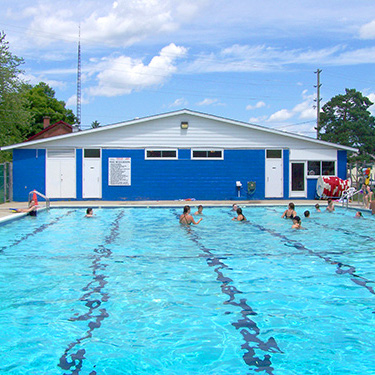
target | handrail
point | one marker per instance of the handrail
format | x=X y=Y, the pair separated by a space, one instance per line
x=347 y=194
x=41 y=195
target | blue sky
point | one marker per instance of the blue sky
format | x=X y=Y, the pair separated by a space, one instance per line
x=247 y=60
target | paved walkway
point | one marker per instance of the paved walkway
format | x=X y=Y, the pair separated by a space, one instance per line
x=6 y=213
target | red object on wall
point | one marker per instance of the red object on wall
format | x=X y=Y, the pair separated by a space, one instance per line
x=331 y=187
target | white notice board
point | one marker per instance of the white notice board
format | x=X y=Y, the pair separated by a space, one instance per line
x=119 y=171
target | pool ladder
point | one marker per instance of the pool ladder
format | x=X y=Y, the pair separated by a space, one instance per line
x=32 y=192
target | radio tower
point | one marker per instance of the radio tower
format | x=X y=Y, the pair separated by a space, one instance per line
x=79 y=80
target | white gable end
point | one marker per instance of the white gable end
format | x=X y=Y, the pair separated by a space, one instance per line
x=166 y=132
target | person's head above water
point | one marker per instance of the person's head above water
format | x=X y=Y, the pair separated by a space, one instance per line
x=89 y=211
x=297 y=220
x=186 y=209
x=307 y=213
x=234 y=207
x=291 y=206
x=239 y=211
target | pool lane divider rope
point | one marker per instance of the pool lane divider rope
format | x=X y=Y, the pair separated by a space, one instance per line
x=37 y=230
x=248 y=327
x=93 y=287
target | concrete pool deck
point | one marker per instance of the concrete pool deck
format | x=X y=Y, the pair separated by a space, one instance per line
x=7 y=214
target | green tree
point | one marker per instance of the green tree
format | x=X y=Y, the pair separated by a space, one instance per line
x=14 y=116
x=346 y=120
x=42 y=102
x=95 y=124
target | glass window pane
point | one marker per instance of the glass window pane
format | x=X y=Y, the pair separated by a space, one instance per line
x=273 y=154
x=328 y=168
x=298 y=178
x=214 y=154
x=153 y=154
x=199 y=154
x=313 y=168
x=169 y=154
x=92 y=153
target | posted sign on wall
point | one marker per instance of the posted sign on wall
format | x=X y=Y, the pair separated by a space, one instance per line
x=119 y=171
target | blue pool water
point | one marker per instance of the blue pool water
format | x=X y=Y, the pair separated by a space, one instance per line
x=131 y=291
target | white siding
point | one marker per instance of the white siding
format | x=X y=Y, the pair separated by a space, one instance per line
x=166 y=132
x=313 y=154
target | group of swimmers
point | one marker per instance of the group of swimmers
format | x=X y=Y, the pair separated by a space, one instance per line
x=186 y=218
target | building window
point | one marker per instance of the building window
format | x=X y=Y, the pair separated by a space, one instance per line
x=274 y=154
x=161 y=154
x=207 y=154
x=321 y=168
x=91 y=153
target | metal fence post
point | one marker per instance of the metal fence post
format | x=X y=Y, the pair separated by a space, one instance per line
x=10 y=182
x=5 y=182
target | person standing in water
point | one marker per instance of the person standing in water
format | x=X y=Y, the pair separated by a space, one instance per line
x=200 y=210
x=330 y=207
x=186 y=218
x=240 y=215
x=289 y=213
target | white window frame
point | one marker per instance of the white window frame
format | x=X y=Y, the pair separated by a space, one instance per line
x=161 y=149
x=310 y=176
x=207 y=150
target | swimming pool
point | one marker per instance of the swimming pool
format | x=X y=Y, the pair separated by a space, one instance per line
x=133 y=292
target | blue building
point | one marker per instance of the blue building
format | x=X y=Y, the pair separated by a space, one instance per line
x=177 y=155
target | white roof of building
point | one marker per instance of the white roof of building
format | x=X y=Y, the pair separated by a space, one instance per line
x=163 y=130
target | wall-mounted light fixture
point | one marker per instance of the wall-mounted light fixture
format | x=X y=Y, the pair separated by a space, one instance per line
x=184 y=124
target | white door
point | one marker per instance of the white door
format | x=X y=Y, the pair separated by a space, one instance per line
x=274 y=174
x=92 y=174
x=298 y=179
x=61 y=174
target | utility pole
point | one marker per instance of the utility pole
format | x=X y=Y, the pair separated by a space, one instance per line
x=318 y=100
x=79 y=79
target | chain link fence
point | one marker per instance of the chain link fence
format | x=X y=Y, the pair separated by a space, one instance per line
x=6 y=181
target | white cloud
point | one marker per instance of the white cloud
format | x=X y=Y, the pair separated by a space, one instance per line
x=257 y=120
x=303 y=111
x=180 y=102
x=207 y=101
x=122 y=75
x=371 y=96
x=367 y=31
x=210 y=101
x=260 y=104
x=260 y=58
x=281 y=115
x=121 y=23
x=72 y=101
x=34 y=80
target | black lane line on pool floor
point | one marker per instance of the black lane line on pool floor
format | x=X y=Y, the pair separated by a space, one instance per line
x=341 y=267
x=93 y=287
x=36 y=231
x=249 y=329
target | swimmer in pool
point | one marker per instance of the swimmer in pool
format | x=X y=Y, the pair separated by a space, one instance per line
x=89 y=212
x=317 y=208
x=289 y=213
x=186 y=218
x=240 y=216
x=234 y=207
x=358 y=214
x=306 y=213
x=31 y=210
x=297 y=224
x=330 y=207
x=200 y=209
